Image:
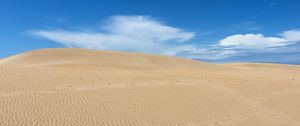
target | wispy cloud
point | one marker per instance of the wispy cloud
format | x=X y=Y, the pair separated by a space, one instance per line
x=252 y=41
x=247 y=44
x=291 y=35
x=247 y=26
x=206 y=33
x=147 y=35
x=124 y=33
x=259 y=41
x=272 y=4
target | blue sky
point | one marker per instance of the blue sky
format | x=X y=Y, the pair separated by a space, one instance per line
x=209 y=30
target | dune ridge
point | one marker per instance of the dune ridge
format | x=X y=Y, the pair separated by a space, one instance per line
x=84 y=87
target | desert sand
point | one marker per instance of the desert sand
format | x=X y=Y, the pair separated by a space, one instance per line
x=103 y=88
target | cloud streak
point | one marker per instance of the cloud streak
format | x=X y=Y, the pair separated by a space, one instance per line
x=124 y=33
x=147 y=35
x=246 y=44
x=253 y=41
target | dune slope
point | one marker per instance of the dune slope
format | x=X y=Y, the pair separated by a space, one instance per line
x=103 y=88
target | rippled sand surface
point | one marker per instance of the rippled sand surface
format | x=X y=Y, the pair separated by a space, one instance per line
x=101 y=88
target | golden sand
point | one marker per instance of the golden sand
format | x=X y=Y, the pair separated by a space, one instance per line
x=102 y=88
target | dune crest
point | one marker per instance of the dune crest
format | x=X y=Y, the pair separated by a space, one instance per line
x=79 y=57
x=105 y=88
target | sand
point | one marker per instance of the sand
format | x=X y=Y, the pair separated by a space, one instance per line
x=102 y=88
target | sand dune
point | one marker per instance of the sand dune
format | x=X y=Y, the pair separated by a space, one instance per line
x=103 y=88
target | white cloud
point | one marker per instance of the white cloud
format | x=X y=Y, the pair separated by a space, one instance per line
x=146 y=28
x=145 y=34
x=260 y=41
x=253 y=41
x=212 y=54
x=291 y=35
x=124 y=33
x=245 y=44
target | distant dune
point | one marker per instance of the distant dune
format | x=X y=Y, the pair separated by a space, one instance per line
x=103 y=88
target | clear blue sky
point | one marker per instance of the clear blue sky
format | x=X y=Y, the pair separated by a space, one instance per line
x=209 y=30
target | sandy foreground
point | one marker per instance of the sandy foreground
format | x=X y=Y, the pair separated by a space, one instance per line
x=101 y=88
